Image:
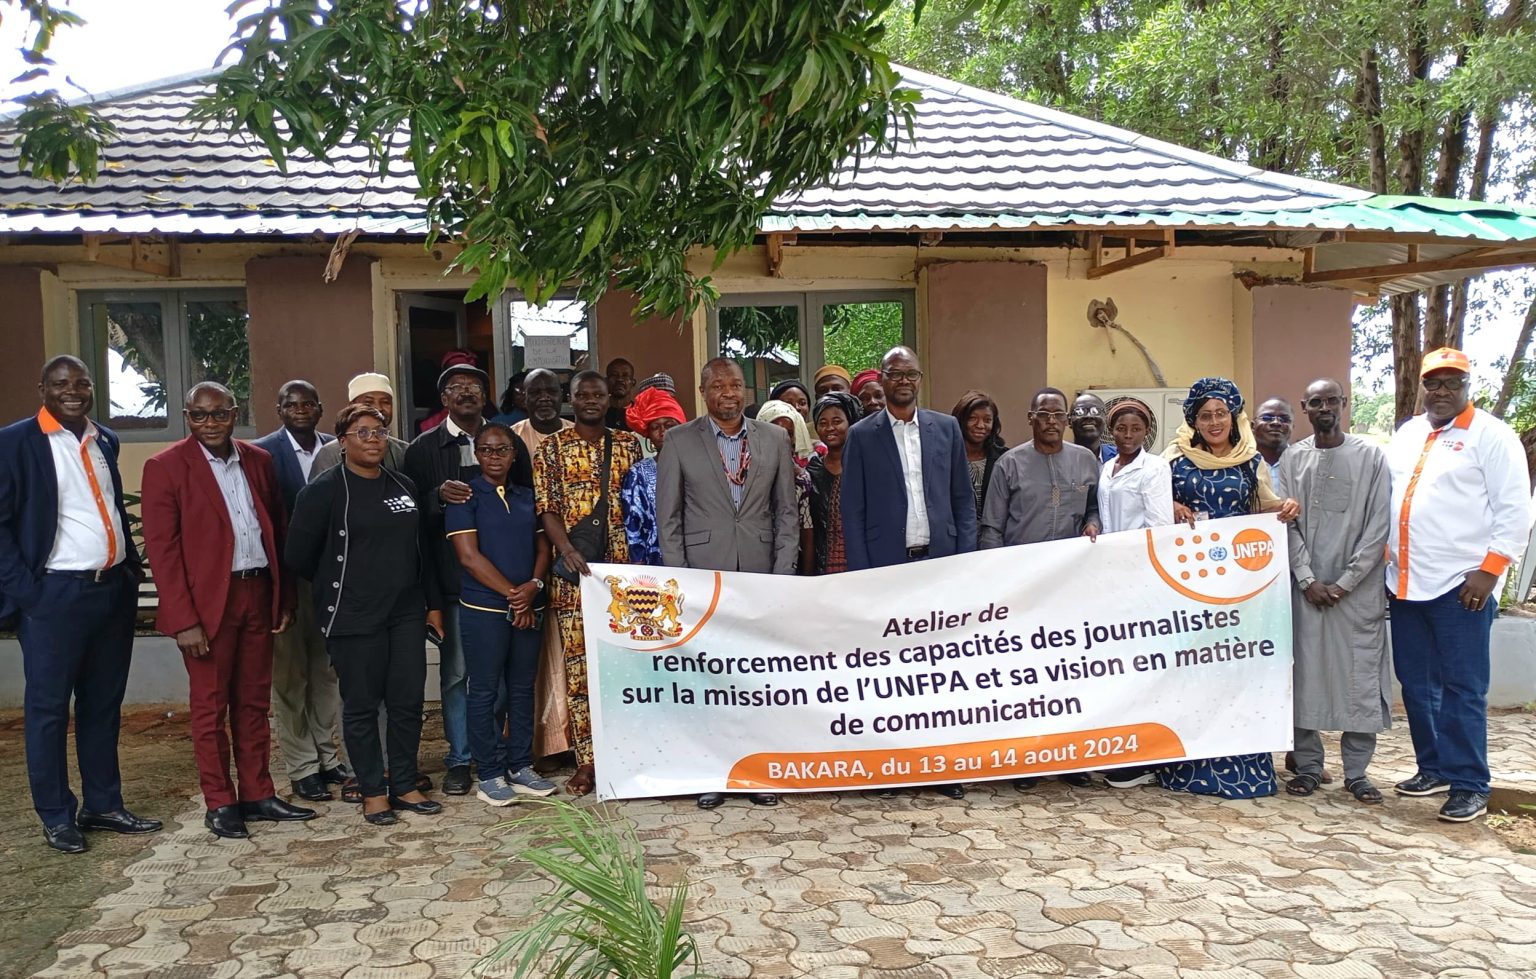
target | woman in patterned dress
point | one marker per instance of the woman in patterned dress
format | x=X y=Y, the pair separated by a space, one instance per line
x=567 y=487
x=785 y=416
x=1217 y=473
x=651 y=413
x=834 y=412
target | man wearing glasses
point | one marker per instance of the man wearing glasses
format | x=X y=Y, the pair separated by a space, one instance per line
x=1272 y=436
x=907 y=492
x=1460 y=515
x=1088 y=423
x=304 y=693
x=213 y=531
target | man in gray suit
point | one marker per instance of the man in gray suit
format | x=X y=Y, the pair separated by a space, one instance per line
x=725 y=495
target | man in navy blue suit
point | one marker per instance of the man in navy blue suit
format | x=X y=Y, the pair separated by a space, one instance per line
x=305 y=696
x=69 y=576
x=907 y=492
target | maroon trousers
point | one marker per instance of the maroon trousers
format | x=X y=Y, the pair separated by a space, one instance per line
x=233 y=684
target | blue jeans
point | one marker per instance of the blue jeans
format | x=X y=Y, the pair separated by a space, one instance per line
x=452 y=681
x=1440 y=652
x=503 y=664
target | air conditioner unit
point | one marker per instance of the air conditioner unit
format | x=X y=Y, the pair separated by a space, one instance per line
x=1167 y=406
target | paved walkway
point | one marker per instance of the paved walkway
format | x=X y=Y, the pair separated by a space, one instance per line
x=1055 y=882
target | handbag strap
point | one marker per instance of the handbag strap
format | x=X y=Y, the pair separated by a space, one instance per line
x=599 y=514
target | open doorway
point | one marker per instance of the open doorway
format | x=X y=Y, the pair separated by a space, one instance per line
x=434 y=325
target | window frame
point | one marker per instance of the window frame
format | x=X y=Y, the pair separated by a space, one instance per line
x=813 y=332
x=178 y=352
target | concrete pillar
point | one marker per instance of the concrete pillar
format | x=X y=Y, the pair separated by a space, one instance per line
x=303 y=327
x=985 y=329
x=1299 y=334
x=21 y=296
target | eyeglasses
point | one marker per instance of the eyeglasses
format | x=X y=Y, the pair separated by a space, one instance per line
x=1317 y=403
x=913 y=376
x=197 y=416
x=1271 y=418
x=1212 y=417
x=494 y=451
x=370 y=434
x=1092 y=411
x=462 y=389
x=300 y=406
x=1455 y=383
x=1049 y=416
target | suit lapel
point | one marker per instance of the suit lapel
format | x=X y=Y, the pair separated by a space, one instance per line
x=48 y=489
x=201 y=472
x=928 y=436
x=713 y=459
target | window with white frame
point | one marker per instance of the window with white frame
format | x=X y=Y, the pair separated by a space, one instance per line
x=777 y=336
x=146 y=348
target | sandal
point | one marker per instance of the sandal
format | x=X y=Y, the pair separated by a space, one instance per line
x=1363 y=791
x=1303 y=784
x=583 y=782
x=351 y=792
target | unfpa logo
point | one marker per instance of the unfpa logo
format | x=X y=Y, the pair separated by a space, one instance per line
x=1220 y=562
x=1253 y=549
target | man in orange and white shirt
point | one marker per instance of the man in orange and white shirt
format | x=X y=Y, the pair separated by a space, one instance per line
x=69 y=575
x=1461 y=513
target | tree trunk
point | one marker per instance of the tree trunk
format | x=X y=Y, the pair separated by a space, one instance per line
x=1482 y=162
x=1370 y=108
x=1407 y=353
x=1516 y=362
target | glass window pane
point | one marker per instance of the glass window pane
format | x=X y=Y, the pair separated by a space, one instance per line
x=131 y=349
x=556 y=336
x=221 y=350
x=765 y=341
x=857 y=335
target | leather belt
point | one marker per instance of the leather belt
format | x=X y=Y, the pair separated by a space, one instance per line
x=916 y=553
x=95 y=577
x=249 y=573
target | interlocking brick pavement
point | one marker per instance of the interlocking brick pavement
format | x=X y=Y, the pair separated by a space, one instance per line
x=1053 y=882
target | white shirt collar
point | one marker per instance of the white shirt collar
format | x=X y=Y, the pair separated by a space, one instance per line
x=453 y=429
x=898 y=421
x=234 y=454
x=299 y=448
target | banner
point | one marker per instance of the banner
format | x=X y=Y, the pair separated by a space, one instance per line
x=1142 y=647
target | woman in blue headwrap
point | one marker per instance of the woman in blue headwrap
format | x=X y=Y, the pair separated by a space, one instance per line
x=1216 y=473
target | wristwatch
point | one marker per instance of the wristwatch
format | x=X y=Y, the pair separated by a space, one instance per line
x=538 y=583
x=1305 y=583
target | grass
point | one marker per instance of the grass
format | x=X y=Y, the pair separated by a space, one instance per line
x=600 y=921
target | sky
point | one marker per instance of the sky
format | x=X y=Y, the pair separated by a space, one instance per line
x=123 y=45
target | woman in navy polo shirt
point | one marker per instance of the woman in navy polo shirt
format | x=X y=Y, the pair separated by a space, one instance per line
x=504 y=556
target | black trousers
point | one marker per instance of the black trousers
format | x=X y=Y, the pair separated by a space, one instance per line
x=387 y=667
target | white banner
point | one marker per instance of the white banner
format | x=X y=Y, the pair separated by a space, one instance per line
x=1144 y=647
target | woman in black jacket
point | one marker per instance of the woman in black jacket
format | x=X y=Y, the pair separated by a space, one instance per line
x=356 y=536
x=982 y=425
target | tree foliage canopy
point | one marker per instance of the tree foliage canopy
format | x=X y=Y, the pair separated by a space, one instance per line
x=575 y=140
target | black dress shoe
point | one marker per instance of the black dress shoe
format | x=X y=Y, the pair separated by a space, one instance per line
x=457 y=781
x=274 y=810
x=712 y=800
x=335 y=776
x=1081 y=780
x=65 y=838
x=763 y=799
x=427 y=807
x=384 y=817
x=954 y=790
x=312 y=788
x=225 y=821
x=117 y=821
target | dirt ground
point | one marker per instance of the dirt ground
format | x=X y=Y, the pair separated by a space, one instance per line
x=158 y=776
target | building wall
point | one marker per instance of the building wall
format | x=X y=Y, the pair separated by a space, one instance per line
x=21 y=296
x=654 y=345
x=1300 y=333
x=304 y=327
x=986 y=329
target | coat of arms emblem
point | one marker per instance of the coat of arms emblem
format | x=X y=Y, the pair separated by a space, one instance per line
x=643 y=608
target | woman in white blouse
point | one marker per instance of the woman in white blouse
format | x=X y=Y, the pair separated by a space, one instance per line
x=1136 y=486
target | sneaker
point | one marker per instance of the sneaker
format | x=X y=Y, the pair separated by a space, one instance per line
x=496 y=792
x=1129 y=778
x=457 y=781
x=1464 y=806
x=1422 y=784
x=526 y=781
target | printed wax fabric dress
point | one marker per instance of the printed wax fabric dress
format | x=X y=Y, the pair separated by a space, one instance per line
x=638 y=496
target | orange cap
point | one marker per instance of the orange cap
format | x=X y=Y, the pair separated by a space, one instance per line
x=1446 y=358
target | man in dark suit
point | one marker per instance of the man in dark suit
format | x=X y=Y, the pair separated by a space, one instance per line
x=213 y=528
x=69 y=578
x=725 y=495
x=906 y=487
x=305 y=696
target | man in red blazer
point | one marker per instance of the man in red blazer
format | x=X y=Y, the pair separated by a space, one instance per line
x=213 y=532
